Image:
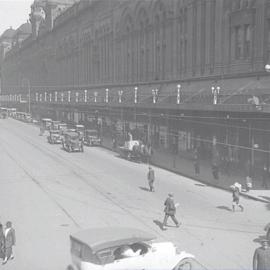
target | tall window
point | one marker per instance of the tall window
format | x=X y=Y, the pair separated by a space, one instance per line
x=268 y=39
x=203 y=28
x=247 y=40
x=194 y=39
x=238 y=49
x=212 y=34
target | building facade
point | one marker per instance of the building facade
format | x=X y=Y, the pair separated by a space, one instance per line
x=186 y=73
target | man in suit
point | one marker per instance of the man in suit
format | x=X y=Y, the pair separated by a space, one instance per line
x=151 y=179
x=170 y=210
x=10 y=241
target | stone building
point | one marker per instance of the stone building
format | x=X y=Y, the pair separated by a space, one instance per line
x=200 y=63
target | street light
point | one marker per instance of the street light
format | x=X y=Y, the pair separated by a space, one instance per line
x=155 y=94
x=120 y=93
x=107 y=96
x=215 y=92
x=135 y=95
x=178 y=99
x=95 y=96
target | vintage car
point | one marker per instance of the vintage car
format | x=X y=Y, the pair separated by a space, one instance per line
x=55 y=125
x=126 y=249
x=46 y=123
x=91 y=137
x=72 y=142
x=62 y=127
x=54 y=137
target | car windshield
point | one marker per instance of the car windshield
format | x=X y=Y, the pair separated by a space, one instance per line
x=189 y=264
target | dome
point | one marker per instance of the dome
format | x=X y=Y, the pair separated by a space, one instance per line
x=9 y=33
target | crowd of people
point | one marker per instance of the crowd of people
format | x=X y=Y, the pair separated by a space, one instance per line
x=7 y=241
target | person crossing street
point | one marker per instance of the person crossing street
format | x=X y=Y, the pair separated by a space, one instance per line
x=170 y=211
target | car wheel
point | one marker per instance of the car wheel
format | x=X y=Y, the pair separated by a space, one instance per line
x=82 y=148
x=69 y=148
x=70 y=267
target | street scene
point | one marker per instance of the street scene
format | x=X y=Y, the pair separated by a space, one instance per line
x=134 y=134
x=49 y=194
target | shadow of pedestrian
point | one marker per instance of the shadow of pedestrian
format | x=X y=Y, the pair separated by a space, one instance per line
x=145 y=189
x=222 y=207
x=159 y=224
x=259 y=239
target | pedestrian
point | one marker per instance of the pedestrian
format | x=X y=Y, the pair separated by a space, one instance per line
x=248 y=183
x=261 y=258
x=151 y=179
x=10 y=241
x=215 y=171
x=2 y=242
x=265 y=177
x=170 y=211
x=196 y=162
x=236 y=198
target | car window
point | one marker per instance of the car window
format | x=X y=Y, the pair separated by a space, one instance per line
x=189 y=264
x=76 y=249
x=105 y=256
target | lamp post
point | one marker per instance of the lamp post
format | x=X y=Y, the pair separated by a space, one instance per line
x=95 y=96
x=178 y=98
x=215 y=92
x=107 y=96
x=155 y=94
x=120 y=93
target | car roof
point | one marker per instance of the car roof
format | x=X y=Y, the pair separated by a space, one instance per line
x=79 y=125
x=102 y=238
x=91 y=130
x=71 y=133
x=46 y=119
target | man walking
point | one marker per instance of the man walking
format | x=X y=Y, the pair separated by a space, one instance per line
x=10 y=241
x=236 y=198
x=261 y=258
x=170 y=210
x=151 y=179
x=265 y=177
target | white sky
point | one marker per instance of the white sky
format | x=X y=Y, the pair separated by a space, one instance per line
x=13 y=13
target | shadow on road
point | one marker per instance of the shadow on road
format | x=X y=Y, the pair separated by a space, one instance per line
x=159 y=224
x=222 y=207
x=144 y=188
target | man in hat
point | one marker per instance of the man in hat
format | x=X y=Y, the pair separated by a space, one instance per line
x=10 y=241
x=151 y=179
x=170 y=210
x=261 y=258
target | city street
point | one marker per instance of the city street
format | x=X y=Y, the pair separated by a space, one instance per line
x=49 y=193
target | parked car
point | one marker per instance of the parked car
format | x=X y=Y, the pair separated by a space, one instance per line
x=80 y=129
x=55 y=125
x=91 y=137
x=54 y=137
x=126 y=249
x=72 y=141
x=62 y=127
x=46 y=123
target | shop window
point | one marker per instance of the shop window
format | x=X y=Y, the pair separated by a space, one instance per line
x=247 y=40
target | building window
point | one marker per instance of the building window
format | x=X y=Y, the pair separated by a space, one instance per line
x=212 y=35
x=247 y=40
x=237 y=31
x=268 y=39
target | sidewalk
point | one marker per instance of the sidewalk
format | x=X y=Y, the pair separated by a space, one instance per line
x=185 y=167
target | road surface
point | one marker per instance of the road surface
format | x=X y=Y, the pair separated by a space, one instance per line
x=48 y=194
